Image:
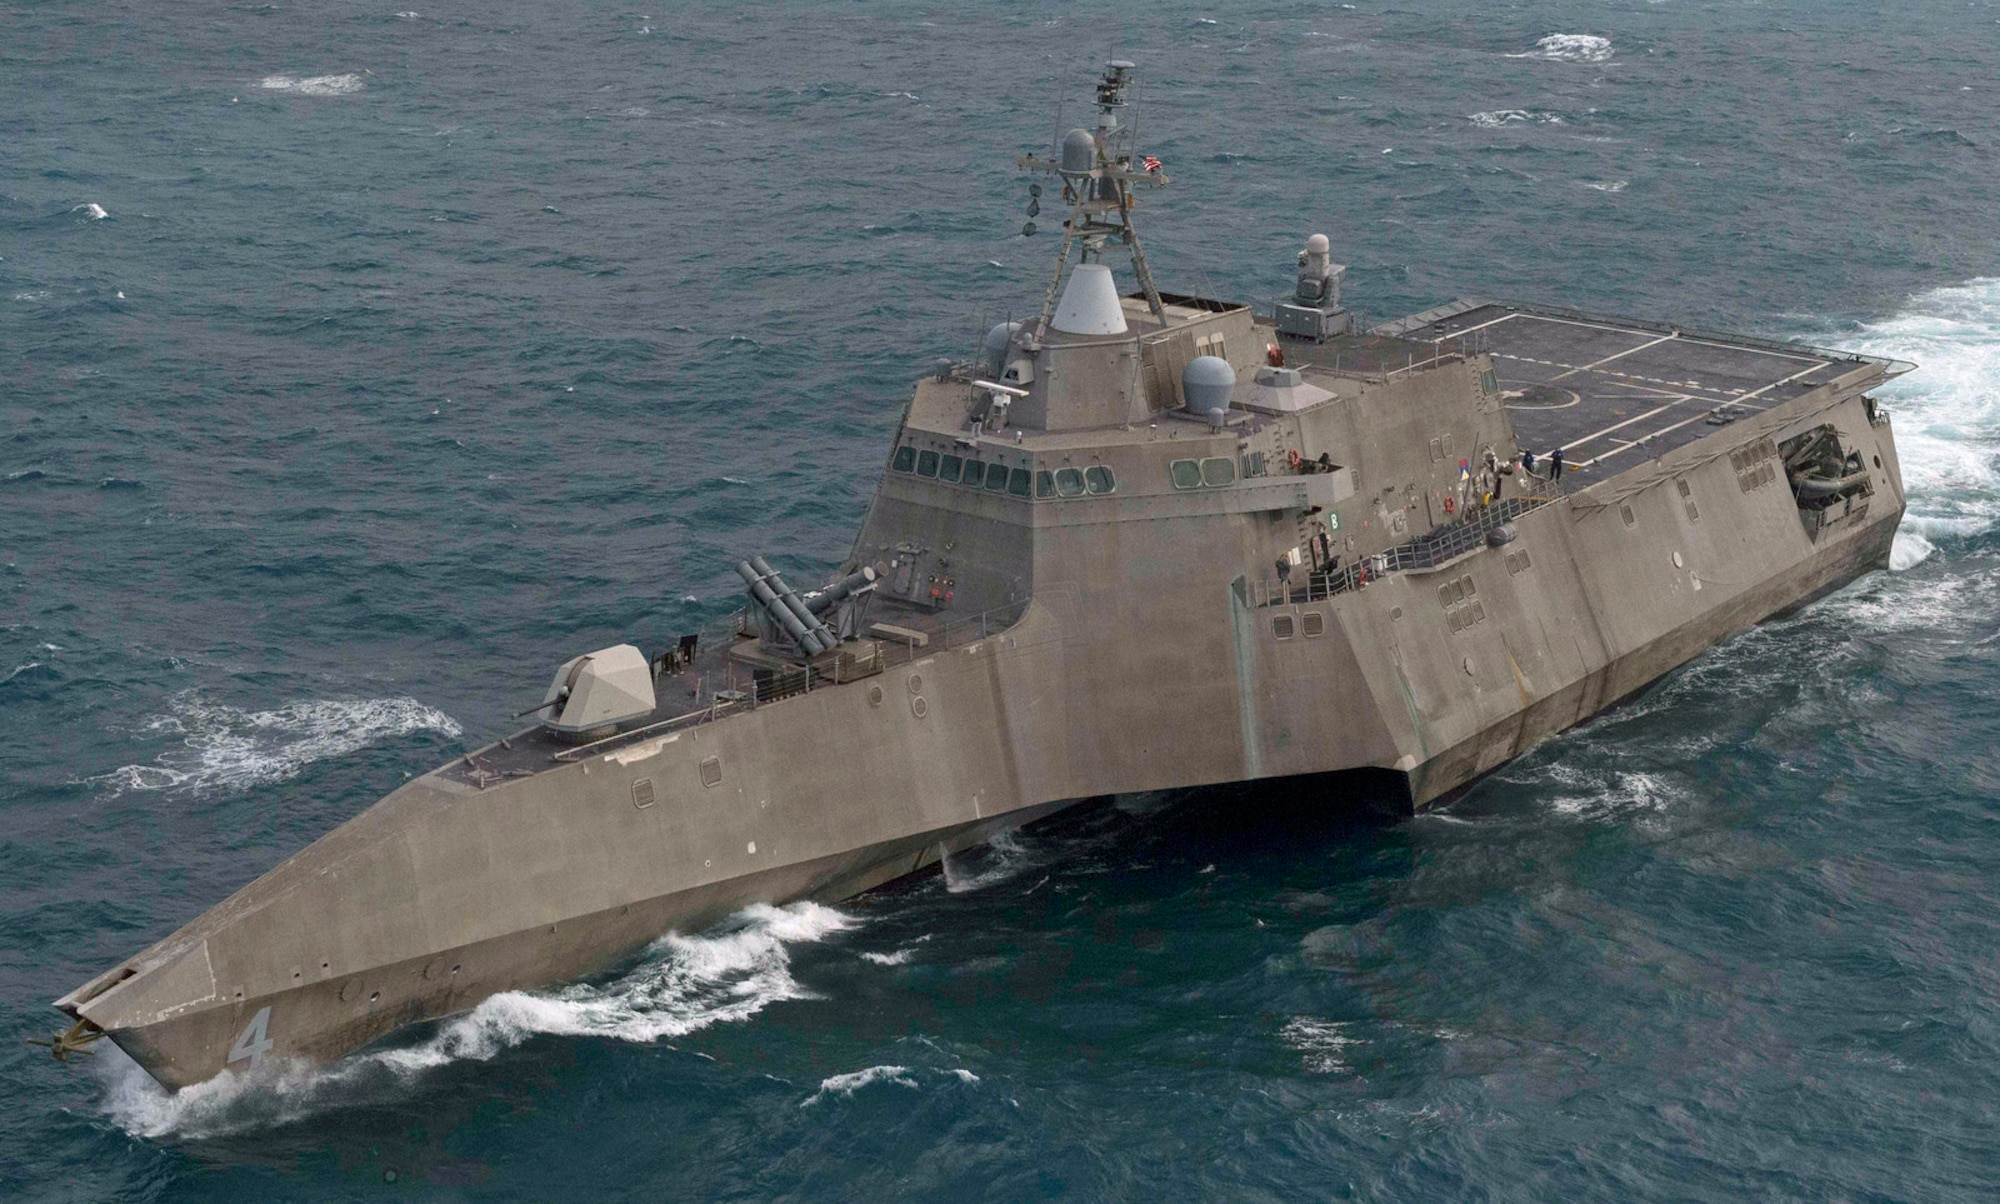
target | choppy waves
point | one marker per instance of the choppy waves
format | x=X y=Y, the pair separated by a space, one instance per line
x=1494 y=119
x=684 y=984
x=1946 y=413
x=1570 y=48
x=220 y=747
x=1003 y=857
x=314 y=85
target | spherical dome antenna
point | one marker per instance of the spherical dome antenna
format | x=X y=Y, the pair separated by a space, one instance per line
x=1079 y=151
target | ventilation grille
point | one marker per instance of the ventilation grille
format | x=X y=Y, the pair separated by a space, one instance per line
x=1755 y=464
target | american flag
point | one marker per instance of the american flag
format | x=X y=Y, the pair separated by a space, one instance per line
x=1152 y=164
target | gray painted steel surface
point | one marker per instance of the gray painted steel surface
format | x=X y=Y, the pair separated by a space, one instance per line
x=1113 y=595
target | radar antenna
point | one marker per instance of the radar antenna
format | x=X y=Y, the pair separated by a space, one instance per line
x=1095 y=167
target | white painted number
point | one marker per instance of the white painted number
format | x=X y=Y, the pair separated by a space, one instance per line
x=255 y=1041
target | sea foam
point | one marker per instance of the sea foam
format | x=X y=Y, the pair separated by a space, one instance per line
x=1494 y=119
x=682 y=985
x=313 y=85
x=1946 y=413
x=1004 y=857
x=1570 y=48
x=227 y=748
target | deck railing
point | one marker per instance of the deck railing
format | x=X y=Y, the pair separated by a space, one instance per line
x=1439 y=546
x=738 y=689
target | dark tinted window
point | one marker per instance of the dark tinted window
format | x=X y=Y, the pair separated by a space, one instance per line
x=1069 y=482
x=975 y=473
x=1187 y=474
x=1018 y=482
x=1045 y=484
x=996 y=477
x=950 y=467
x=1098 y=479
x=906 y=459
x=1218 y=471
x=927 y=464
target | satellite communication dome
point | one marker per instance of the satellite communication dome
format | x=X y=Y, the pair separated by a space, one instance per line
x=1079 y=150
x=1207 y=382
x=993 y=349
x=1318 y=245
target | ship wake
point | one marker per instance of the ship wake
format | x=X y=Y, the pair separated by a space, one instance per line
x=1947 y=413
x=682 y=985
x=223 y=747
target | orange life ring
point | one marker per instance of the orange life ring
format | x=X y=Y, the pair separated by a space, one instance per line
x=1293 y=457
x=1449 y=504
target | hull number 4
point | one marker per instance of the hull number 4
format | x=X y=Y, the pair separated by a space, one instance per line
x=255 y=1041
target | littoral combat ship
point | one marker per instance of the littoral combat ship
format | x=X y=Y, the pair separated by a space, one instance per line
x=1143 y=540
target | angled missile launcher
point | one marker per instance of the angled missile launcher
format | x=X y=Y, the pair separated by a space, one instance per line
x=1147 y=540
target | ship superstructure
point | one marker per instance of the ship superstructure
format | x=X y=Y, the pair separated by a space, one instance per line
x=1144 y=540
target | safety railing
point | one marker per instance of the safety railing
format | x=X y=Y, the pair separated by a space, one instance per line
x=1440 y=546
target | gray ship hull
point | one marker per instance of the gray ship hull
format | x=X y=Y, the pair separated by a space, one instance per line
x=1146 y=542
x=447 y=891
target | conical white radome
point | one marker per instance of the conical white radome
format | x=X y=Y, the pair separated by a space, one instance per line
x=1089 y=303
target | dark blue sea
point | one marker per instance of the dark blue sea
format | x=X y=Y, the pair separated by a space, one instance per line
x=358 y=366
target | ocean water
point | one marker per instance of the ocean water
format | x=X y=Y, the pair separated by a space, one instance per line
x=360 y=365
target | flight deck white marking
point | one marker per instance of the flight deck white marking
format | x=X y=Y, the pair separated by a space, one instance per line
x=1483 y=325
x=1665 y=338
x=1788 y=380
x=1628 y=422
x=1802 y=354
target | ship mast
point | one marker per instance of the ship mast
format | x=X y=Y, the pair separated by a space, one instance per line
x=1095 y=167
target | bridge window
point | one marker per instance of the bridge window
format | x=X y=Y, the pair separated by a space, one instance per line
x=996 y=477
x=927 y=464
x=1018 y=481
x=1069 y=482
x=1098 y=479
x=1313 y=623
x=949 y=469
x=1045 y=484
x=1218 y=471
x=975 y=473
x=1186 y=474
x=906 y=459
x=1282 y=627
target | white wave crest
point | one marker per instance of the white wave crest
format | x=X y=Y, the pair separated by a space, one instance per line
x=1495 y=118
x=1946 y=413
x=684 y=984
x=1005 y=857
x=223 y=747
x=1322 y=1044
x=1950 y=606
x=848 y=1084
x=1570 y=48
x=1601 y=793
x=92 y=211
x=313 y=85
